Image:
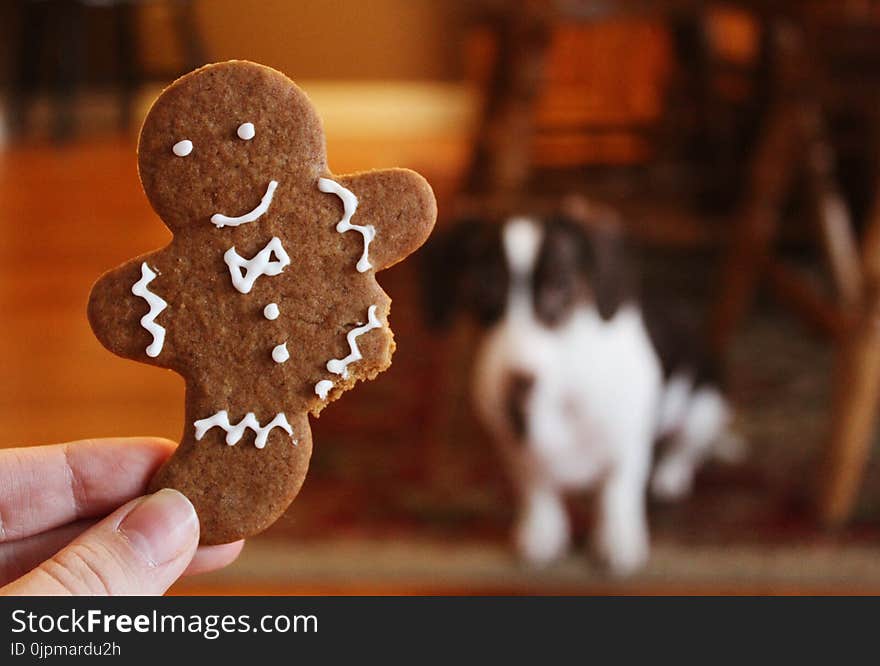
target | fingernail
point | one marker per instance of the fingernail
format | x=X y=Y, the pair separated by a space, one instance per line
x=161 y=526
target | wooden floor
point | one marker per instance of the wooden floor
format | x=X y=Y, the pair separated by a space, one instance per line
x=413 y=566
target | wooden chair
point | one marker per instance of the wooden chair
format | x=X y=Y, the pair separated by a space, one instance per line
x=795 y=143
x=652 y=126
x=58 y=28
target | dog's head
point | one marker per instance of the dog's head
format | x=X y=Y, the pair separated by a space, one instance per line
x=576 y=257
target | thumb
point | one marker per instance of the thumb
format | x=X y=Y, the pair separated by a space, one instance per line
x=141 y=548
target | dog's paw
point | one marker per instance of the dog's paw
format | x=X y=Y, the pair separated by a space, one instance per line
x=672 y=480
x=543 y=536
x=622 y=549
x=540 y=547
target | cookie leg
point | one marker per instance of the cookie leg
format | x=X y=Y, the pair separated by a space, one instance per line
x=238 y=490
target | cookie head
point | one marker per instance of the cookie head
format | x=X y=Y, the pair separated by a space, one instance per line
x=220 y=142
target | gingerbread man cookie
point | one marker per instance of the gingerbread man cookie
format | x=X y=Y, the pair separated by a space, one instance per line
x=265 y=301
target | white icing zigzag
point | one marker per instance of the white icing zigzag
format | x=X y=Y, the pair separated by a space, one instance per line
x=221 y=220
x=339 y=366
x=235 y=432
x=349 y=205
x=157 y=304
x=259 y=265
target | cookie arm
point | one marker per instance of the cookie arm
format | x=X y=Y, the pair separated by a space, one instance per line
x=400 y=205
x=127 y=312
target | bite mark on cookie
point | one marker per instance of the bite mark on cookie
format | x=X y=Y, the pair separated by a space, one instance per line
x=339 y=366
x=322 y=388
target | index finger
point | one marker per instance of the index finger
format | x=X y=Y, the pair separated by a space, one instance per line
x=43 y=487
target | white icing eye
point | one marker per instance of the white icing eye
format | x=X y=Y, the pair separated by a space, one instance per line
x=182 y=148
x=246 y=131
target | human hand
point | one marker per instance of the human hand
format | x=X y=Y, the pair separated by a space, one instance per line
x=54 y=541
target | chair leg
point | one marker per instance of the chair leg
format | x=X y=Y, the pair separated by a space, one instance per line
x=34 y=19
x=500 y=163
x=126 y=50
x=70 y=64
x=775 y=162
x=838 y=238
x=857 y=391
x=857 y=394
x=189 y=35
x=772 y=172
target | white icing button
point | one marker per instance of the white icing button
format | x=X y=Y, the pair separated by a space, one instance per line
x=271 y=311
x=182 y=148
x=280 y=353
x=246 y=131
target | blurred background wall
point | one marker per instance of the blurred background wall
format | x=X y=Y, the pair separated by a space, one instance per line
x=377 y=39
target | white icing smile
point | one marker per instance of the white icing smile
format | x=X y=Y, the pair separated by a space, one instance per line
x=221 y=220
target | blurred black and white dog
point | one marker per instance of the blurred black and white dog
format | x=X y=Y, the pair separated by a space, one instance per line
x=574 y=379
